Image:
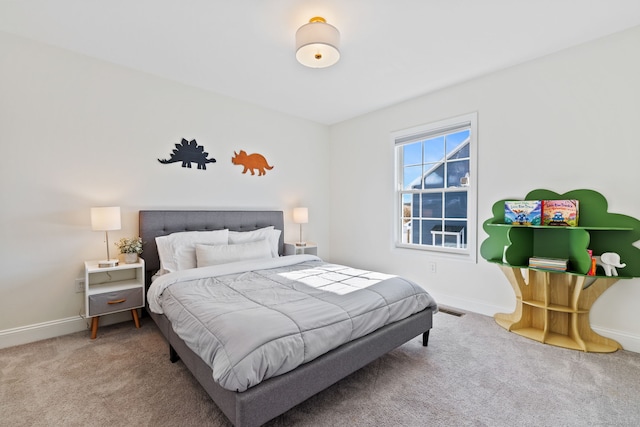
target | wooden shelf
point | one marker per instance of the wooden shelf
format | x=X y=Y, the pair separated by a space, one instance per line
x=564 y=341
x=555 y=227
x=553 y=306
x=531 y=333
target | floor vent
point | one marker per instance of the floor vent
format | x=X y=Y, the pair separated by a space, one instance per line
x=450 y=311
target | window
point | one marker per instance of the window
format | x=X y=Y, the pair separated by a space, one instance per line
x=436 y=187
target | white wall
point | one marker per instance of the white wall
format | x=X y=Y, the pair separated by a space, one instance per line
x=564 y=122
x=76 y=132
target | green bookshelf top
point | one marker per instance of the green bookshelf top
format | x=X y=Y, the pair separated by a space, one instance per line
x=597 y=230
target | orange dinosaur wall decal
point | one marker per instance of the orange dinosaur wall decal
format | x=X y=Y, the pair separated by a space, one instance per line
x=251 y=162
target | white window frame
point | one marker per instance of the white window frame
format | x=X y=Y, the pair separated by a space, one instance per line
x=407 y=136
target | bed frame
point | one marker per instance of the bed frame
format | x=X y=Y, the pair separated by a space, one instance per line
x=276 y=395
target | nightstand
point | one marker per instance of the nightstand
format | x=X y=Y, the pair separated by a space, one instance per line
x=293 y=249
x=110 y=290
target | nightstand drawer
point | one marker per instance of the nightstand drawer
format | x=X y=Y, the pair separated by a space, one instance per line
x=111 y=302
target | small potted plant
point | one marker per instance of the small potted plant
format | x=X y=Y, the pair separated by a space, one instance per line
x=130 y=247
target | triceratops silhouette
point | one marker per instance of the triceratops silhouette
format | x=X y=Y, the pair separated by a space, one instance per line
x=187 y=152
x=251 y=162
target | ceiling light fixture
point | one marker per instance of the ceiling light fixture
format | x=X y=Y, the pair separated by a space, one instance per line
x=317 y=44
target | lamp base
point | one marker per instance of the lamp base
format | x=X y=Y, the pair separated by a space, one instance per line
x=108 y=263
x=301 y=243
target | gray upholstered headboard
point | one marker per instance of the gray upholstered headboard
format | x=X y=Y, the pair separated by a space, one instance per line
x=160 y=223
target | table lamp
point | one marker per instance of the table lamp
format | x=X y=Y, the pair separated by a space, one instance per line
x=105 y=219
x=301 y=216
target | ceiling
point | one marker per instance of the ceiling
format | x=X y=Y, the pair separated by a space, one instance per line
x=390 y=50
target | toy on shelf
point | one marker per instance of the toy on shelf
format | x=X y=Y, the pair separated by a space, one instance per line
x=609 y=261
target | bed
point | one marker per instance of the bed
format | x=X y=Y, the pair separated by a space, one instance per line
x=273 y=396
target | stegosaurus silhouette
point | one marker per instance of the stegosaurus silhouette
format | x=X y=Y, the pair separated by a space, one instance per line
x=188 y=152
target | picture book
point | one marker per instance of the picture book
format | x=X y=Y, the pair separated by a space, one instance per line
x=556 y=264
x=523 y=212
x=560 y=212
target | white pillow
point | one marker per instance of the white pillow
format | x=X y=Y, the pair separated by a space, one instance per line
x=177 y=251
x=267 y=233
x=163 y=244
x=221 y=254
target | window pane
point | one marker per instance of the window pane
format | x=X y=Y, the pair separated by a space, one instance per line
x=434 y=176
x=412 y=177
x=456 y=205
x=454 y=141
x=434 y=150
x=462 y=154
x=411 y=232
x=406 y=205
x=432 y=205
x=427 y=235
x=412 y=154
x=456 y=171
x=415 y=232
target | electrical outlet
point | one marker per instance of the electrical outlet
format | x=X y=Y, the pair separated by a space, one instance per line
x=431 y=267
x=79 y=285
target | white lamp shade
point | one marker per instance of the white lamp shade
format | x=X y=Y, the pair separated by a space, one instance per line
x=105 y=219
x=317 y=44
x=301 y=215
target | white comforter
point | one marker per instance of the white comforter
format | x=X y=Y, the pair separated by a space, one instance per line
x=254 y=320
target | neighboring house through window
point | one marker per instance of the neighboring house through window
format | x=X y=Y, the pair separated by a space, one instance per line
x=436 y=187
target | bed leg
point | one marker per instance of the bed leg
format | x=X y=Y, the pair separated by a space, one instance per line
x=173 y=355
x=425 y=338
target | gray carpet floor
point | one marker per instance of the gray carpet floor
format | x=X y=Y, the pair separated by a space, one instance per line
x=473 y=373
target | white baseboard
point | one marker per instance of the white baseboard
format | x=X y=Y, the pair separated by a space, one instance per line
x=41 y=331
x=470 y=305
x=628 y=341
x=55 y=328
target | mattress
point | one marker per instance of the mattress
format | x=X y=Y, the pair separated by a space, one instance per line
x=250 y=321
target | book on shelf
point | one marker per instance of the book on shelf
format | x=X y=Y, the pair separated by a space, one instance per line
x=555 y=264
x=592 y=267
x=560 y=212
x=523 y=212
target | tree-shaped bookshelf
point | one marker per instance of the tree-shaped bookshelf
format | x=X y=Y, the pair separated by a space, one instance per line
x=553 y=307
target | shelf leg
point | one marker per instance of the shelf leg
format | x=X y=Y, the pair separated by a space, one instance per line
x=588 y=295
x=575 y=332
x=94 y=327
x=513 y=320
x=134 y=314
x=577 y=284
